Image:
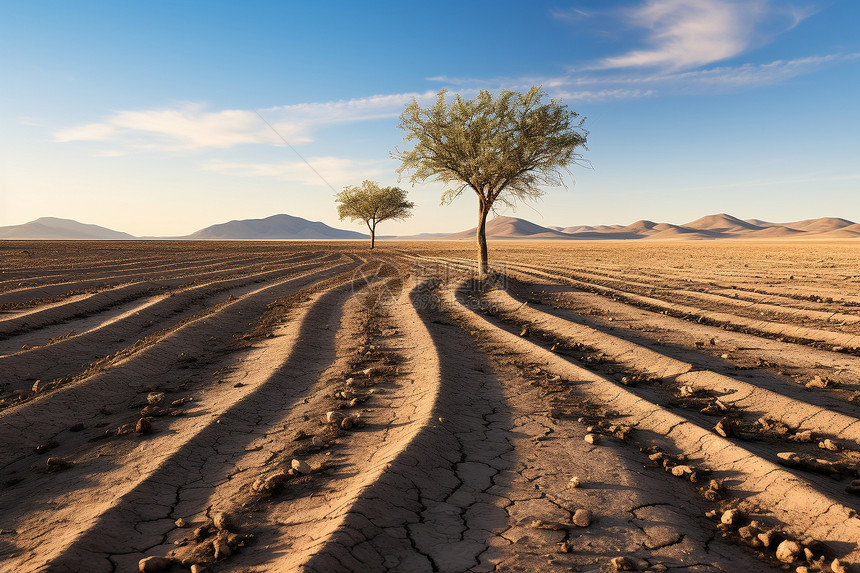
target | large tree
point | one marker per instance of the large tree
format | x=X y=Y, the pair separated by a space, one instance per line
x=373 y=204
x=502 y=147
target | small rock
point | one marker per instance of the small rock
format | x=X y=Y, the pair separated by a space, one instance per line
x=788 y=551
x=301 y=467
x=347 y=423
x=196 y=568
x=838 y=567
x=154 y=398
x=333 y=416
x=828 y=444
x=180 y=522
x=767 y=538
x=154 y=564
x=143 y=426
x=725 y=428
x=591 y=438
x=582 y=517
x=574 y=482
x=853 y=487
x=733 y=518
x=270 y=482
x=42 y=448
x=681 y=471
x=656 y=457
x=222 y=521
x=623 y=563
x=802 y=569
x=221 y=549
x=57 y=464
x=803 y=437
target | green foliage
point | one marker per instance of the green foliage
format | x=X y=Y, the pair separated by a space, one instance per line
x=370 y=202
x=502 y=147
x=373 y=204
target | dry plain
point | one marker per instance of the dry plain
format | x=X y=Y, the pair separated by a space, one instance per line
x=301 y=406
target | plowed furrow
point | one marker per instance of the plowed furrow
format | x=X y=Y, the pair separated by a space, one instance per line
x=73 y=353
x=32 y=296
x=196 y=453
x=790 y=409
x=84 y=307
x=842 y=340
x=175 y=356
x=789 y=498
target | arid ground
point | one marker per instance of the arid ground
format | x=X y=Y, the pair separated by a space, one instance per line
x=297 y=406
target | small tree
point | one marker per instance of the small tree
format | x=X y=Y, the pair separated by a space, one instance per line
x=373 y=204
x=501 y=147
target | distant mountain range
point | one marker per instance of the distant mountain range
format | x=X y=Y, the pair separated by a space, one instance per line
x=274 y=227
x=721 y=226
x=60 y=229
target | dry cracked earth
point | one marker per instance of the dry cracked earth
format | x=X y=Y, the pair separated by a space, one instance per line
x=318 y=407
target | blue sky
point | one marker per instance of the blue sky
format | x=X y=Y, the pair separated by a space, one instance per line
x=143 y=117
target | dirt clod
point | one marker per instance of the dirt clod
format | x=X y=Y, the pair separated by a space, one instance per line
x=788 y=551
x=149 y=564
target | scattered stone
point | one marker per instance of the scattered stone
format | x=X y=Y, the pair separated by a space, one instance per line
x=809 y=463
x=148 y=564
x=681 y=471
x=143 y=426
x=818 y=382
x=525 y=331
x=222 y=521
x=715 y=491
x=582 y=517
x=656 y=457
x=37 y=386
x=623 y=563
x=42 y=448
x=301 y=467
x=180 y=522
x=768 y=538
x=788 y=551
x=803 y=437
x=574 y=482
x=57 y=464
x=725 y=428
x=732 y=518
x=222 y=549
x=317 y=442
x=333 y=417
x=828 y=444
x=269 y=483
x=591 y=438
x=838 y=567
x=154 y=398
x=564 y=547
x=347 y=423
x=197 y=568
x=802 y=569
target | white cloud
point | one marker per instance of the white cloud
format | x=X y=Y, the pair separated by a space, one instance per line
x=333 y=172
x=193 y=127
x=685 y=34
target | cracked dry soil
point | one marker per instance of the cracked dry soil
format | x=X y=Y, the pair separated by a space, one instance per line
x=256 y=407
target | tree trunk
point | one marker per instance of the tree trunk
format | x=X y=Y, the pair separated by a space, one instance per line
x=482 y=238
x=372 y=234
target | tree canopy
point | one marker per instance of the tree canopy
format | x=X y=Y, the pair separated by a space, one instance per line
x=373 y=204
x=502 y=147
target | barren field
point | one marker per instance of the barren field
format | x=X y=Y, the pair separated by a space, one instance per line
x=318 y=407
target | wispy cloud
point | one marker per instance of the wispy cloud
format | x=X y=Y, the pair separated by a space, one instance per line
x=325 y=171
x=685 y=34
x=192 y=126
x=608 y=85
